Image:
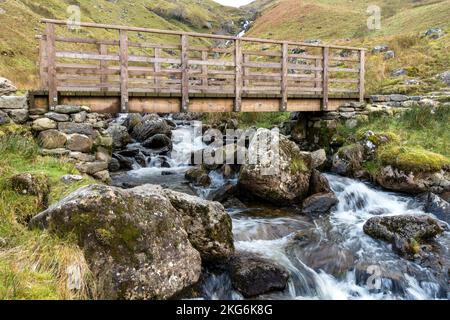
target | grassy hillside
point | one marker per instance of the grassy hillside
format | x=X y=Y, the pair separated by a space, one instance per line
x=20 y=23
x=403 y=24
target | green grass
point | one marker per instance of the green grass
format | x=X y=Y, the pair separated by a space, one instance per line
x=344 y=22
x=418 y=140
x=21 y=23
x=33 y=263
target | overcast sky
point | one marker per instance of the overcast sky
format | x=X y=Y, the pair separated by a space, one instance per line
x=233 y=3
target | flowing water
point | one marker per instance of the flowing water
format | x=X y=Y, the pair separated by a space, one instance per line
x=327 y=257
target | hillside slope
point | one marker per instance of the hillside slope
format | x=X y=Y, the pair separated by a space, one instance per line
x=20 y=24
x=403 y=24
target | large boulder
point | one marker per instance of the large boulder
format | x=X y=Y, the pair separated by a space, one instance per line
x=158 y=141
x=412 y=236
x=284 y=178
x=252 y=275
x=6 y=86
x=134 y=242
x=207 y=223
x=119 y=136
x=397 y=180
x=149 y=127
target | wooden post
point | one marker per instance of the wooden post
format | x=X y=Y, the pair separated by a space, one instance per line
x=123 y=43
x=157 y=69
x=317 y=73
x=326 y=52
x=245 y=71
x=362 y=71
x=43 y=62
x=103 y=50
x=51 y=67
x=284 y=75
x=238 y=75
x=204 y=71
x=184 y=73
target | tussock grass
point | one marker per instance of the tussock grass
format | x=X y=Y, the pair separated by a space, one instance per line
x=419 y=139
x=33 y=263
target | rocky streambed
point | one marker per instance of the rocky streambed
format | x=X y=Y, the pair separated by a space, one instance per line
x=167 y=228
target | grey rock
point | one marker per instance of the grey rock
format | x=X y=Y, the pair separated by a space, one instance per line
x=398 y=97
x=79 y=142
x=92 y=167
x=389 y=55
x=19 y=116
x=71 y=178
x=437 y=206
x=149 y=127
x=120 y=136
x=320 y=203
x=60 y=152
x=445 y=77
x=408 y=234
x=380 y=48
x=399 y=73
x=52 y=139
x=198 y=176
x=434 y=33
x=281 y=181
x=114 y=165
x=379 y=98
x=4 y=118
x=59 y=117
x=43 y=124
x=80 y=156
x=158 y=141
x=67 y=109
x=252 y=275
x=6 y=86
x=13 y=102
x=318 y=158
x=79 y=117
x=134 y=242
x=80 y=128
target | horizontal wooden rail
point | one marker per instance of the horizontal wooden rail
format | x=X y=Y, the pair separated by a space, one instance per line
x=191 y=65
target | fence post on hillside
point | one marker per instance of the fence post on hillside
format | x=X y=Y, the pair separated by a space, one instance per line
x=184 y=73
x=51 y=68
x=204 y=71
x=238 y=75
x=123 y=56
x=284 y=75
x=326 y=52
x=362 y=71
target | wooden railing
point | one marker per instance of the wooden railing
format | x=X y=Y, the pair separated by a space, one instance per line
x=194 y=64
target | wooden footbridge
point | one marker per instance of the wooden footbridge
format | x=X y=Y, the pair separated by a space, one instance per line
x=147 y=70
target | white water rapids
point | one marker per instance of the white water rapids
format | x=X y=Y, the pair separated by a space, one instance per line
x=327 y=257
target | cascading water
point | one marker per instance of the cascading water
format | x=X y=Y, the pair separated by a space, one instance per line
x=327 y=257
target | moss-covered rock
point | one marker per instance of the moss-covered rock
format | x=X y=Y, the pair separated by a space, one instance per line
x=412 y=159
x=278 y=175
x=34 y=184
x=135 y=243
x=348 y=159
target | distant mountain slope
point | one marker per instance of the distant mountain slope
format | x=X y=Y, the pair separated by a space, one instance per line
x=403 y=24
x=19 y=20
x=341 y=19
